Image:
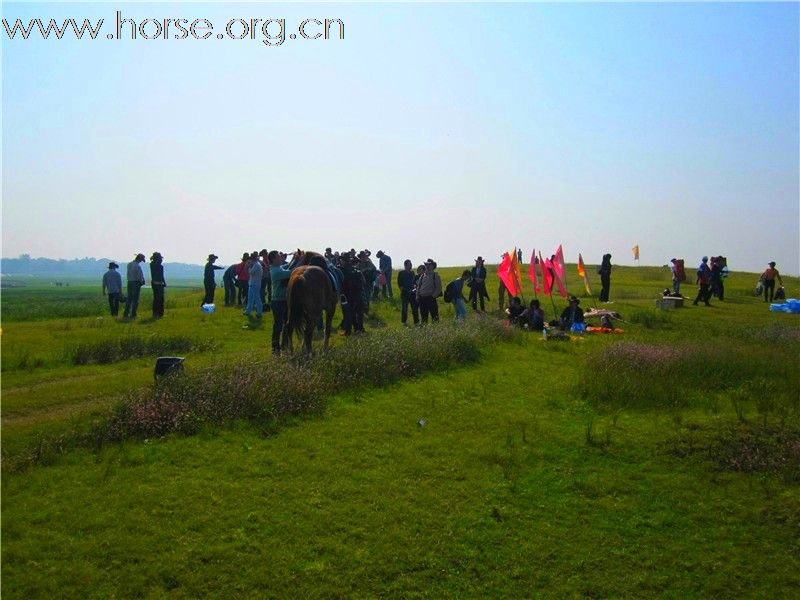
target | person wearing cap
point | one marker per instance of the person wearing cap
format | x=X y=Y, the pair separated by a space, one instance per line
x=112 y=284
x=135 y=283
x=768 y=278
x=477 y=285
x=256 y=272
x=209 y=282
x=385 y=265
x=157 y=283
x=242 y=279
x=572 y=314
x=703 y=280
x=429 y=288
x=406 y=282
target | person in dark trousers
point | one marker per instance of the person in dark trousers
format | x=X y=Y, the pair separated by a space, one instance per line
x=135 y=283
x=229 y=283
x=604 y=270
x=242 y=279
x=370 y=273
x=158 y=284
x=717 y=284
x=768 y=278
x=279 y=278
x=406 y=283
x=208 y=279
x=266 y=290
x=112 y=285
x=515 y=311
x=477 y=290
x=703 y=280
x=354 y=292
x=534 y=316
x=385 y=266
x=429 y=288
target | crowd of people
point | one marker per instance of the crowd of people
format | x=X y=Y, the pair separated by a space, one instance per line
x=258 y=283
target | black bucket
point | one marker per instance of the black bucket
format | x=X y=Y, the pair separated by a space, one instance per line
x=167 y=365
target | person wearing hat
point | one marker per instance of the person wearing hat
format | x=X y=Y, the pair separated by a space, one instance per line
x=703 y=280
x=768 y=278
x=406 y=282
x=135 y=283
x=208 y=279
x=572 y=314
x=243 y=279
x=112 y=284
x=353 y=291
x=477 y=285
x=157 y=283
x=429 y=288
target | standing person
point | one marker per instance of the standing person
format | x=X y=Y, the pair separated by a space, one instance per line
x=429 y=288
x=256 y=273
x=406 y=282
x=717 y=285
x=678 y=275
x=768 y=278
x=266 y=292
x=604 y=270
x=370 y=273
x=279 y=278
x=703 y=280
x=477 y=290
x=112 y=284
x=208 y=279
x=385 y=265
x=229 y=282
x=457 y=295
x=242 y=279
x=158 y=284
x=353 y=290
x=135 y=283
x=328 y=254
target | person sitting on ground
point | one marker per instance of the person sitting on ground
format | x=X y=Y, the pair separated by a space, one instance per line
x=533 y=316
x=572 y=314
x=514 y=311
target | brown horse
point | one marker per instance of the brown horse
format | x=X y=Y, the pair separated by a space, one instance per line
x=308 y=294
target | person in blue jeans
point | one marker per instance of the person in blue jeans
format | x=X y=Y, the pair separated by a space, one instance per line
x=279 y=278
x=256 y=273
x=459 y=302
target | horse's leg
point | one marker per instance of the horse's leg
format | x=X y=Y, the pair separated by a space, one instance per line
x=308 y=333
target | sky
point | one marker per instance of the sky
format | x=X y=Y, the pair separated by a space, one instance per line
x=431 y=130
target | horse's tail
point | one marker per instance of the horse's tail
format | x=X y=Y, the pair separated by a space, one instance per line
x=298 y=317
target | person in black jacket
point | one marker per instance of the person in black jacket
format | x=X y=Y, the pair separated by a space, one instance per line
x=354 y=292
x=572 y=314
x=208 y=279
x=157 y=283
x=407 y=281
x=477 y=285
x=229 y=283
x=605 y=277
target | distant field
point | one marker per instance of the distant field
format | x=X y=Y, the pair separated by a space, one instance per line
x=664 y=461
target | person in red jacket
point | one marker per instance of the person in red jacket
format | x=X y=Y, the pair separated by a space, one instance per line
x=242 y=279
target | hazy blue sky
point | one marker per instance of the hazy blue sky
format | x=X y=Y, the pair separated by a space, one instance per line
x=443 y=130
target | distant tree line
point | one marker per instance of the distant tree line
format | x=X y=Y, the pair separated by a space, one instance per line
x=83 y=267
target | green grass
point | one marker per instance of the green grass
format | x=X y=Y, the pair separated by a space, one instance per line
x=520 y=483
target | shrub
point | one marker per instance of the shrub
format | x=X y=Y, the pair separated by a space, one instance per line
x=114 y=350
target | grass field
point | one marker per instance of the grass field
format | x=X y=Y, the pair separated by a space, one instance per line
x=663 y=461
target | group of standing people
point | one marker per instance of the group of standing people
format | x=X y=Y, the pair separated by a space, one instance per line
x=112 y=286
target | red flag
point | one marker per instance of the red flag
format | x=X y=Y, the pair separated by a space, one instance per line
x=559 y=268
x=516 y=272
x=547 y=275
x=532 y=273
x=582 y=273
x=507 y=276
